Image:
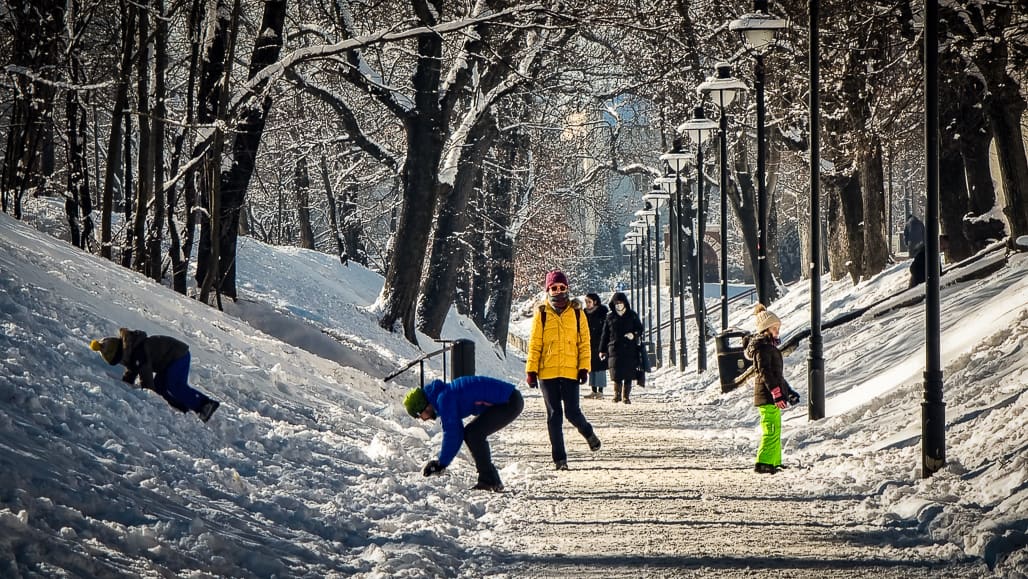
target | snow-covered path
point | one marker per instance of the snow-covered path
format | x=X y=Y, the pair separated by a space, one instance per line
x=656 y=501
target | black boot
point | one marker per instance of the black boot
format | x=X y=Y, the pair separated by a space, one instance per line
x=628 y=391
x=617 y=392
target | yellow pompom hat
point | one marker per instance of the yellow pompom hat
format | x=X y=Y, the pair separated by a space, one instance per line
x=109 y=348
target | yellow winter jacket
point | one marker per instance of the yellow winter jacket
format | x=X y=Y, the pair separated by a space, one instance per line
x=560 y=349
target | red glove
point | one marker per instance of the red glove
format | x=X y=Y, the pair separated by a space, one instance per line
x=779 y=397
x=532 y=379
x=583 y=376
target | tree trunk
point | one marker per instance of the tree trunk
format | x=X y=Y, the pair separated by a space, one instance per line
x=36 y=47
x=875 y=250
x=248 y=133
x=155 y=235
x=333 y=220
x=126 y=252
x=216 y=63
x=437 y=290
x=114 y=145
x=146 y=152
x=742 y=195
x=425 y=128
x=845 y=239
x=302 y=187
x=498 y=206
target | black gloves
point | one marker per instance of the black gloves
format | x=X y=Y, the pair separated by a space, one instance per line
x=532 y=379
x=583 y=376
x=432 y=467
x=792 y=396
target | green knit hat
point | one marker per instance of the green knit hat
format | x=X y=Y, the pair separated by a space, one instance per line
x=415 y=401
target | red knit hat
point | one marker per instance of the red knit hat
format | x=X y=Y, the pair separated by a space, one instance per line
x=555 y=276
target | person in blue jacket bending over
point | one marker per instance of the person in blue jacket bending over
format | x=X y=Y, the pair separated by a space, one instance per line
x=494 y=403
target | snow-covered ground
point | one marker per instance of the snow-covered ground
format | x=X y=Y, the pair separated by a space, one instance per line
x=311 y=468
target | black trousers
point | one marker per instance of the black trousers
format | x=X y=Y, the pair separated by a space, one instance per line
x=561 y=398
x=477 y=432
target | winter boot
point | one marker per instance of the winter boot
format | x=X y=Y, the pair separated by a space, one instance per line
x=617 y=392
x=207 y=409
x=628 y=391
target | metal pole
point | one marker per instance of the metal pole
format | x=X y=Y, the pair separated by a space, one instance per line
x=724 y=212
x=933 y=409
x=891 y=220
x=649 y=281
x=683 y=353
x=631 y=270
x=701 y=298
x=762 y=289
x=672 y=223
x=815 y=358
x=658 y=240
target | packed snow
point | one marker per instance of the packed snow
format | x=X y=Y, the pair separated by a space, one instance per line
x=311 y=468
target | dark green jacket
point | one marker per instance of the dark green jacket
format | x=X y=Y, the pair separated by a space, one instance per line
x=144 y=356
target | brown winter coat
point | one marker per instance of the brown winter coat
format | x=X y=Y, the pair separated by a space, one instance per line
x=768 y=366
x=144 y=356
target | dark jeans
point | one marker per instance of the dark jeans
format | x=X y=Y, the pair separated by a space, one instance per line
x=173 y=385
x=478 y=430
x=561 y=398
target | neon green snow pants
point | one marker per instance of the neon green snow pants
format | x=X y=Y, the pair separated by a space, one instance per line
x=770 y=449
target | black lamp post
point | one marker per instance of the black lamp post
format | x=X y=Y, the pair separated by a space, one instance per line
x=635 y=238
x=656 y=196
x=629 y=244
x=815 y=358
x=653 y=200
x=647 y=215
x=699 y=129
x=722 y=90
x=933 y=409
x=678 y=162
x=645 y=301
x=758 y=30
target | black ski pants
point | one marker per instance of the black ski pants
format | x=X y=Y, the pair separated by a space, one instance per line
x=477 y=432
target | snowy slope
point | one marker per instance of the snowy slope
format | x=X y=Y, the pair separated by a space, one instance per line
x=311 y=469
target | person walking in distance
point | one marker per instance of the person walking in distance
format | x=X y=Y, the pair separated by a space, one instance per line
x=559 y=358
x=619 y=345
x=913 y=234
x=771 y=392
x=597 y=314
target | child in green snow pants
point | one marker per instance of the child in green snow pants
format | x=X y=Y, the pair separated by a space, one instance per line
x=770 y=449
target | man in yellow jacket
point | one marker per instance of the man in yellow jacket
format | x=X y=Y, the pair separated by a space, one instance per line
x=559 y=359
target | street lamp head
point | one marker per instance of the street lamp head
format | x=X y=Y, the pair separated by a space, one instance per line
x=758 y=28
x=657 y=195
x=666 y=184
x=722 y=88
x=699 y=128
x=646 y=215
x=677 y=161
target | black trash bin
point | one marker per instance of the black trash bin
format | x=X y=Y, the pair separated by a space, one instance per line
x=731 y=363
x=462 y=358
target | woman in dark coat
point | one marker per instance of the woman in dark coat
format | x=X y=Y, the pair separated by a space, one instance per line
x=619 y=343
x=596 y=313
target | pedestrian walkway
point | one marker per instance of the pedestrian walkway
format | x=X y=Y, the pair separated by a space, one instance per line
x=661 y=501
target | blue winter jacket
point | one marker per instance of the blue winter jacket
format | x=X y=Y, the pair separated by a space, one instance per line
x=463 y=397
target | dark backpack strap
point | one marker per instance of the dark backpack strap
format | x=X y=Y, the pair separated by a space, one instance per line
x=578 y=319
